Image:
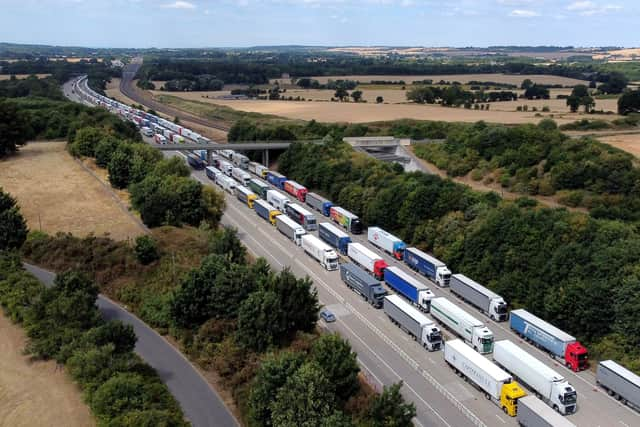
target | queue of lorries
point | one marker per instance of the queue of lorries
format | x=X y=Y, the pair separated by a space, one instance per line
x=496 y=378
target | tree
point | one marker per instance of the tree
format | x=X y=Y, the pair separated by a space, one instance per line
x=13 y=227
x=389 y=409
x=105 y=149
x=526 y=84
x=259 y=321
x=227 y=244
x=171 y=166
x=214 y=203
x=119 y=168
x=379 y=100
x=14 y=128
x=580 y=96
x=176 y=120
x=616 y=83
x=536 y=91
x=333 y=354
x=341 y=93
x=421 y=95
x=146 y=249
x=629 y=102
x=356 y=95
x=305 y=400
x=273 y=373
x=92 y=366
x=149 y=418
x=85 y=141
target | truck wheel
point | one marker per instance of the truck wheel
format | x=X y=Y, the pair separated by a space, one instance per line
x=555 y=407
x=610 y=392
x=504 y=409
x=488 y=396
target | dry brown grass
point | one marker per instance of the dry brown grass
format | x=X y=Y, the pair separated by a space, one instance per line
x=22 y=76
x=35 y=393
x=624 y=141
x=56 y=193
x=113 y=91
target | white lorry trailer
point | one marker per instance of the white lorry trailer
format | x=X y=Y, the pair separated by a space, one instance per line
x=416 y=324
x=474 y=293
x=470 y=329
x=241 y=175
x=532 y=412
x=496 y=384
x=291 y=229
x=367 y=259
x=277 y=200
x=319 y=250
x=547 y=384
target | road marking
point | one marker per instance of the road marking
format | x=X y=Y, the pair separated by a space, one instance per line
x=500 y=418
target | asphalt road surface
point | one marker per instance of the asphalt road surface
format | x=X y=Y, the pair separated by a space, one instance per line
x=200 y=403
x=388 y=355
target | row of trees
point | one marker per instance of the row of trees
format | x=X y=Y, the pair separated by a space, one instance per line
x=455 y=95
x=117 y=385
x=512 y=247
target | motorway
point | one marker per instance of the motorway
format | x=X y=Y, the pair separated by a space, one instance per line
x=200 y=403
x=387 y=354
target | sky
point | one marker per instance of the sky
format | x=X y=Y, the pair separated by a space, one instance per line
x=240 y=23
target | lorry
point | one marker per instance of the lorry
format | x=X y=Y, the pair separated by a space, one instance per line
x=291 y=229
x=319 y=203
x=177 y=139
x=160 y=139
x=227 y=183
x=241 y=175
x=298 y=191
x=277 y=200
x=431 y=267
x=547 y=384
x=544 y=335
x=334 y=236
x=240 y=160
x=225 y=167
x=532 y=412
x=619 y=382
x=212 y=172
x=259 y=187
x=410 y=288
x=195 y=161
x=266 y=211
x=320 y=251
x=276 y=179
x=302 y=216
x=361 y=282
x=386 y=241
x=246 y=196
x=496 y=384
x=367 y=259
x=470 y=329
x=490 y=303
x=258 y=169
x=416 y=324
x=349 y=221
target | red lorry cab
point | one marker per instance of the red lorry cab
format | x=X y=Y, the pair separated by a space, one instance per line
x=576 y=357
x=297 y=190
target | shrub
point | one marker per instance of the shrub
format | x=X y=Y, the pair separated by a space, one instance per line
x=146 y=250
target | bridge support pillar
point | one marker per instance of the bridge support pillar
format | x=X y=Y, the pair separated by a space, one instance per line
x=209 y=156
x=265 y=158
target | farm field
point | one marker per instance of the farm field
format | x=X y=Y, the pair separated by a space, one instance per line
x=370 y=112
x=22 y=76
x=55 y=193
x=35 y=393
x=515 y=79
x=629 y=142
x=113 y=91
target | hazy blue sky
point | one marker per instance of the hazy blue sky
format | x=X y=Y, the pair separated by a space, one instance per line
x=199 y=23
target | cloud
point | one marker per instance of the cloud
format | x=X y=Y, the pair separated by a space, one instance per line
x=523 y=13
x=589 y=8
x=179 y=4
x=581 y=5
x=515 y=2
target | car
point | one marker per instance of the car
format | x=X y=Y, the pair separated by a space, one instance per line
x=327 y=316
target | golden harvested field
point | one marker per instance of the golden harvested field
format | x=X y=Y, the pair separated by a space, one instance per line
x=113 y=91
x=370 y=112
x=35 y=393
x=22 y=76
x=55 y=191
x=515 y=79
x=629 y=142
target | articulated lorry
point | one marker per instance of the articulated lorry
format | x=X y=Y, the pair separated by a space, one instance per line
x=532 y=412
x=368 y=260
x=496 y=384
x=412 y=289
x=470 y=329
x=246 y=196
x=240 y=160
x=212 y=172
x=259 y=187
x=276 y=179
x=361 y=282
x=227 y=183
x=298 y=191
x=302 y=216
x=277 y=200
x=619 y=382
x=319 y=203
x=195 y=161
x=334 y=236
x=416 y=324
x=291 y=229
x=266 y=211
x=320 y=251
x=474 y=293
x=431 y=267
x=386 y=241
x=241 y=175
x=550 y=386
x=349 y=221
x=544 y=335
x=258 y=169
